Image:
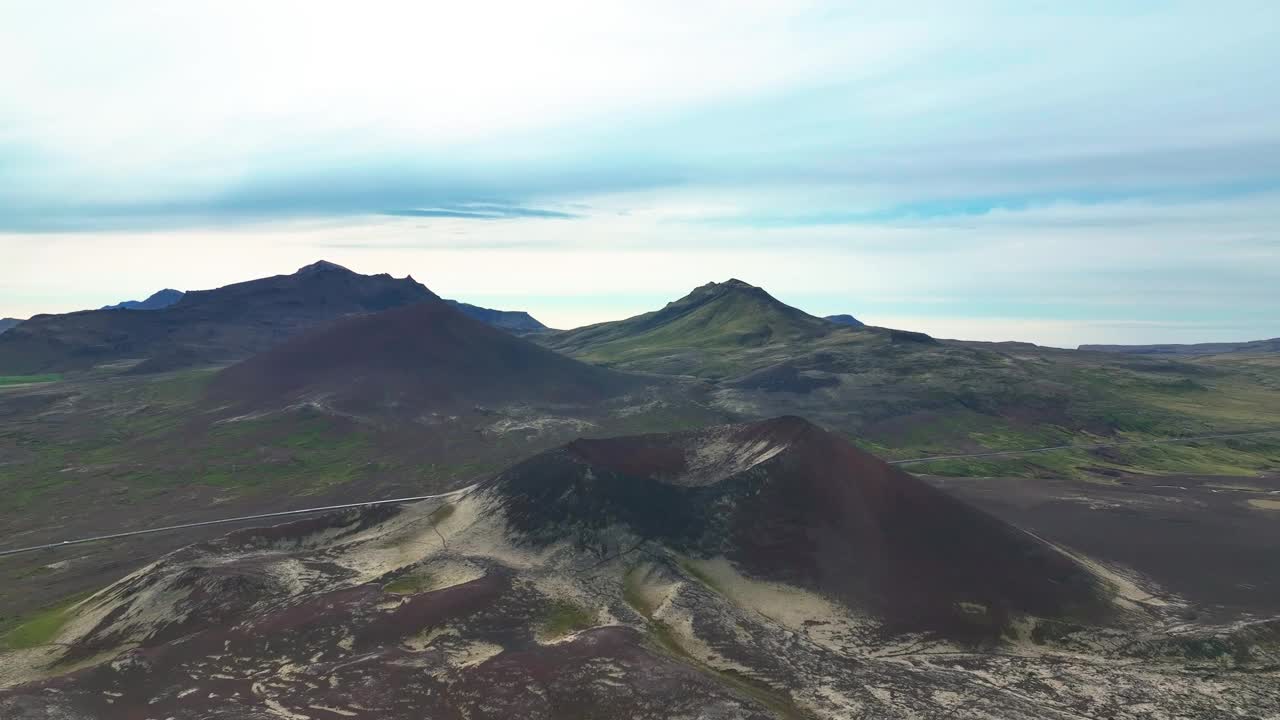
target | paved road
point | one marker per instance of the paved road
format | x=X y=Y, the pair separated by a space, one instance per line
x=327 y=508
x=245 y=518
x=1084 y=447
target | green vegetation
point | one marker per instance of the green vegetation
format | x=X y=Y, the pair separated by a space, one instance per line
x=411 y=583
x=42 y=627
x=563 y=617
x=701 y=334
x=902 y=397
x=28 y=379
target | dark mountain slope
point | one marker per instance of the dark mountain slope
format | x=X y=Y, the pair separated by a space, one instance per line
x=517 y=321
x=157 y=300
x=206 y=326
x=422 y=355
x=8 y=323
x=789 y=502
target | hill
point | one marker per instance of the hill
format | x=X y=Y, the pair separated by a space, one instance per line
x=203 y=327
x=159 y=299
x=712 y=331
x=517 y=321
x=8 y=323
x=786 y=501
x=425 y=356
x=845 y=320
x=1267 y=346
x=905 y=394
x=759 y=571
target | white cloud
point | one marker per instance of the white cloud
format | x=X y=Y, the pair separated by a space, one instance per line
x=993 y=161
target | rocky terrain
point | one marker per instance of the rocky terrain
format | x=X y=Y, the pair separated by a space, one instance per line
x=515 y=600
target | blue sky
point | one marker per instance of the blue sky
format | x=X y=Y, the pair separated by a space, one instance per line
x=1052 y=172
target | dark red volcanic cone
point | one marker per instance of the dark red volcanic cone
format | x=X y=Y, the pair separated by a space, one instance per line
x=422 y=355
x=788 y=501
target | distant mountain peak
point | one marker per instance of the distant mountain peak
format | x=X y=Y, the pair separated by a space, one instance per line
x=730 y=284
x=517 y=321
x=845 y=319
x=714 y=318
x=320 y=266
x=156 y=301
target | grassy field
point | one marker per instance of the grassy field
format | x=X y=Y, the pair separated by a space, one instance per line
x=39 y=628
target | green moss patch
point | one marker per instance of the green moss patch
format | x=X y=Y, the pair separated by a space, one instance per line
x=563 y=617
x=42 y=627
x=412 y=583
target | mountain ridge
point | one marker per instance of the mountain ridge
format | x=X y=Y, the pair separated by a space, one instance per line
x=155 y=301
x=204 y=326
x=1268 y=345
x=513 y=320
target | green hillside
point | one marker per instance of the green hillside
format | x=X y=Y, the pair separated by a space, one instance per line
x=905 y=395
x=717 y=330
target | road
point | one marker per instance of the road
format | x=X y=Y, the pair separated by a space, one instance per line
x=328 y=508
x=222 y=521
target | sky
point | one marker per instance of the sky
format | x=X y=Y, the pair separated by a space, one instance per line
x=1053 y=172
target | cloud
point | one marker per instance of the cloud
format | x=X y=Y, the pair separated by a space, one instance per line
x=812 y=113
x=1072 y=162
x=477 y=211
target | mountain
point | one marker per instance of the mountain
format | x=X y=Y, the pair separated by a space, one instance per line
x=845 y=320
x=759 y=571
x=517 y=321
x=205 y=326
x=427 y=355
x=785 y=501
x=7 y=323
x=1266 y=346
x=700 y=331
x=160 y=299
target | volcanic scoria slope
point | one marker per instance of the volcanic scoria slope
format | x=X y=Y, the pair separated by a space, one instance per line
x=766 y=570
x=420 y=357
x=786 y=501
